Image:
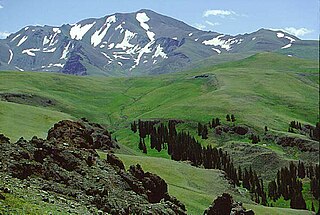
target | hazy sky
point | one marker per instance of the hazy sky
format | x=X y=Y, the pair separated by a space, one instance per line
x=298 y=17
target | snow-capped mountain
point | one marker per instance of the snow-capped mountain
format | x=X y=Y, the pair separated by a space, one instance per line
x=143 y=42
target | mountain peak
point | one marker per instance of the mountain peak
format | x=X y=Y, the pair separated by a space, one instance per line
x=143 y=42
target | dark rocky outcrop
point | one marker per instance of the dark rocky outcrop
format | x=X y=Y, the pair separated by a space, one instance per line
x=154 y=186
x=67 y=164
x=4 y=139
x=236 y=129
x=225 y=205
x=28 y=99
x=74 y=66
x=81 y=134
x=303 y=144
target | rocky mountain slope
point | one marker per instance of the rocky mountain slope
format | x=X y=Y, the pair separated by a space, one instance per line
x=65 y=170
x=137 y=43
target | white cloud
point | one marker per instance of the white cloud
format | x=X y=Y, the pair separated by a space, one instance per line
x=4 y=34
x=199 y=26
x=1 y=6
x=298 y=31
x=213 y=23
x=221 y=13
x=294 y=31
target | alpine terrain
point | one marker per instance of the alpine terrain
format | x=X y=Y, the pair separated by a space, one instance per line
x=137 y=43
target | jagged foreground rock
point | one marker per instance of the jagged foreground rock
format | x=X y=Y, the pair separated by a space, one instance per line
x=225 y=205
x=66 y=164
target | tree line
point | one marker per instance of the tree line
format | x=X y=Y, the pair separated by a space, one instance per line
x=312 y=131
x=289 y=185
x=181 y=146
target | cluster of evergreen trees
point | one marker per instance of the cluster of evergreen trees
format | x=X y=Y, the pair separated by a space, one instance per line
x=289 y=185
x=182 y=146
x=251 y=182
x=203 y=129
x=313 y=132
x=255 y=138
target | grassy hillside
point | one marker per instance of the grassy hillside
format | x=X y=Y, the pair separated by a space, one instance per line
x=17 y=120
x=196 y=187
x=265 y=89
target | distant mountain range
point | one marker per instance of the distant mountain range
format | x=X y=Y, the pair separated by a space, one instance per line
x=137 y=43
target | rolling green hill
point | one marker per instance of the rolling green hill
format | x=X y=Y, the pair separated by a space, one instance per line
x=195 y=187
x=264 y=89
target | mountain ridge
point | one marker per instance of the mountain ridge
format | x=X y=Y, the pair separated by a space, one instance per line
x=125 y=44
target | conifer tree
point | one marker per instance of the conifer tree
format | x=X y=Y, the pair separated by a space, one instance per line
x=228 y=117
x=233 y=119
x=204 y=133
x=144 y=147
x=199 y=129
x=297 y=201
x=140 y=144
x=312 y=207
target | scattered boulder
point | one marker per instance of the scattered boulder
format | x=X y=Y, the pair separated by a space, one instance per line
x=225 y=205
x=4 y=139
x=304 y=145
x=155 y=187
x=81 y=134
x=241 y=130
x=2 y=197
x=115 y=161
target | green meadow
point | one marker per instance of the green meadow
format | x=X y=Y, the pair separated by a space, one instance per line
x=265 y=89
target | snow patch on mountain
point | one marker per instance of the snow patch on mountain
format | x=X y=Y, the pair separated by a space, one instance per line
x=280 y=34
x=46 y=50
x=159 y=52
x=119 y=27
x=125 y=44
x=225 y=44
x=120 y=56
x=190 y=34
x=287 y=46
x=23 y=39
x=45 y=41
x=291 y=39
x=56 y=30
x=110 y=46
x=288 y=38
x=142 y=18
x=146 y=49
x=19 y=69
x=11 y=56
x=77 y=31
x=30 y=52
x=216 y=50
x=216 y=41
x=54 y=65
x=97 y=36
x=109 y=58
x=13 y=39
x=151 y=35
x=65 y=52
